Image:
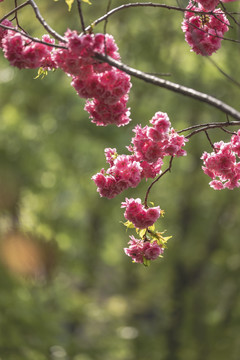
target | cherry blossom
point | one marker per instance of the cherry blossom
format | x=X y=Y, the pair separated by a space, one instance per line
x=222 y=166
x=140 y=216
x=204 y=32
x=23 y=52
x=139 y=249
x=3 y=31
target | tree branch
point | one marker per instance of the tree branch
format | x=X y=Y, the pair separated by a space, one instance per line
x=44 y=23
x=81 y=15
x=150 y=4
x=208 y=99
x=203 y=127
x=159 y=177
x=32 y=38
x=15 y=10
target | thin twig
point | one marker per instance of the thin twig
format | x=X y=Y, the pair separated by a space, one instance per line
x=31 y=37
x=140 y=4
x=106 y=20
x=16 y=17
x=14 y=10
x=228 y=131
x=210 y=141
x=159 y=177
x=230 y=14
x=207 y=127
x=105 y=28
x=81 y=15
x=172 y=86
x=150 y=4
x=212 y=125
x=223 y=72
x=159 y=74
x=44 y=23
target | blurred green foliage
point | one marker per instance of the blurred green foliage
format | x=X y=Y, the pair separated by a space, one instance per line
x=68 y=292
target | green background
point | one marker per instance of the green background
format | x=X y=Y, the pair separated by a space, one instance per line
x=69 y=292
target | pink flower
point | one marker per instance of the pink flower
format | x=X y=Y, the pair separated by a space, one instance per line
x=103 y=114
x=152 y=250
x=151 y=170
x=204 y=33
x=108 y=87
x=222 y=166
x=153 y=143
x=124 y=172
x=81 y=50
x=24 y=53
x=3 y=31
x=110 y=155
x=140 y=216
x=208 y=5
x=139 y=249
x=235 y=142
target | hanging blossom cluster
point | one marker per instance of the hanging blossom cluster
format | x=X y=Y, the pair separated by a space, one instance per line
x=105 y=87
x=106 y=90
x=148 y=148
x=204 y=32
x=143 y=251
x=222 y=166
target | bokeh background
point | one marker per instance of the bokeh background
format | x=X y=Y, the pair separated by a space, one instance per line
x=67 y=290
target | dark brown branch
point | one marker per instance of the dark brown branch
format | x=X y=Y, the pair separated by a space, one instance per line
x=44 y=23
x=15 y=10
x=139 y=4
x=208 y=99
x=229 y=14
x=149 y=4
x=16 y=16
x=81 y=15
x=31 y=37
x=208 y=126
x=106 y=20
x=158 y=178
x=210 y=141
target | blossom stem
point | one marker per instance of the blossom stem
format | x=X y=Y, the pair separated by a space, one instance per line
x=158 y=178
x=81 y=15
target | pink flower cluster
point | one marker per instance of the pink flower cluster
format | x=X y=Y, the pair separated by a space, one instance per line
x=204 y=32
x=139 y=249
x=136 y=213
x=149 y=146
x=222 y=166
x=153 y=142
x=106 y=88
x=210 y=5
x=3 y=31
x=25 y=53
x=123 y=173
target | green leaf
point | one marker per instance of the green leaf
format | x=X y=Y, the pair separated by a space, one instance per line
x=41 y=72
x=146 y=262
x=87 y=1
x=69 y=3
x=128 y=224
x=142 y=233
x=151 y=228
